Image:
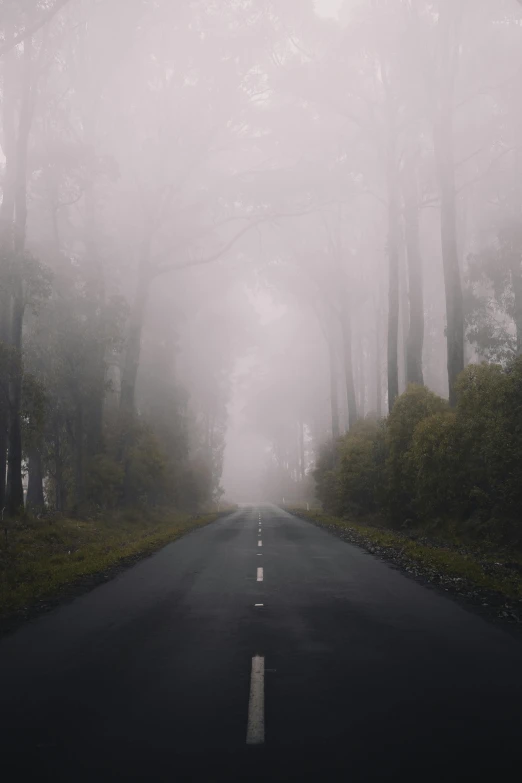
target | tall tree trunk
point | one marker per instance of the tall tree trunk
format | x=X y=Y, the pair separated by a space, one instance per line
x=334 y=388
x=94 y=271
x=516 y=282
x=59 y=491
x=96 y=295
x=404 y=321
x=79 y=452
x=415 y=342
x=131 y=365
x=15 y=492
x=444 y=153
x=393 y=265
x=361 y=376
x=302 y=465
x=14 y=489
x=378 y=359
x=6 y=238
x=346 y=324
x=133 y=347
x=35 y=493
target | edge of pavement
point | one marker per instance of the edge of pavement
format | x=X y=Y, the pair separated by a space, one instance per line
x=115 y=564
x=486 y=587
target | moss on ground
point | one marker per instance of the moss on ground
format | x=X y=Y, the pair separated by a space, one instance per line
x=39 y=557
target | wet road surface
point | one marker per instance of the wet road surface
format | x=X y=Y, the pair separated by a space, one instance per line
x=260 y=648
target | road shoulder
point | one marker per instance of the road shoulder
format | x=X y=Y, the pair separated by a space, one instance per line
x=53 y=567
x=488 y=588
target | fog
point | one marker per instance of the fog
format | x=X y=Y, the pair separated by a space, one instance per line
x=232 y=229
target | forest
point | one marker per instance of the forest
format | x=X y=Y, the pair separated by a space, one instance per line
x=267 y=248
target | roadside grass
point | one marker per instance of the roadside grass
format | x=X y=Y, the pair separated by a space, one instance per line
x=477 y=568
x=39 y=557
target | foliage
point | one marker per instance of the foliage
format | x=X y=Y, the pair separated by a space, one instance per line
x=361 y=466
x=428 y=464
x=328 y=480
x=195 y=485
x=416 y=404
x=493 y=300
x=146 y=470
x=105 y=481
x=491 y=432
x=434 y=462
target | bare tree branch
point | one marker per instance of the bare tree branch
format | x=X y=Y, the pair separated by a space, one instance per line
x=176 y=248
x=462 y=162
x=32 y=29
x=205 y=259
x=488 y=171
x=255 y=221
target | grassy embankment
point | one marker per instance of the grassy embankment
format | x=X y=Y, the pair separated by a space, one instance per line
x=446 y=558
x=38 y=558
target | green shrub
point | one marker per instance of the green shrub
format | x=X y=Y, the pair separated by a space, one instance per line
x=427 y=463
x=417 y=403
x=489 y=419
x=437 y=469
x=361 y=468
x=327 y=479
x=195 y=485
x=104 y=481
x=147 y=470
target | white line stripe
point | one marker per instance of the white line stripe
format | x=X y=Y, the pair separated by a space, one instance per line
x=256 y=703
x=258 y=604
x=259 y=574
x=260 y=543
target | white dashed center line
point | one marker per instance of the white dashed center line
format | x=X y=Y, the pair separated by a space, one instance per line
x=260 y=543
x=256 y=703
x=259 y=574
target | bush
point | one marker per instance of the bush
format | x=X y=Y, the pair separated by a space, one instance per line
x=417 y=403
x=437 y=469
x=147 y=470
x=427 y=463
x=195 y=486
x=489 y=419
x=105 y=482
x=327 y=479
x=361 y=468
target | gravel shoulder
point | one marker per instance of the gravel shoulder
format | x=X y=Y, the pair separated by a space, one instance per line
x=487 y=586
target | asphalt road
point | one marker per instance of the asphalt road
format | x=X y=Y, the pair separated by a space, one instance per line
x=359 y=673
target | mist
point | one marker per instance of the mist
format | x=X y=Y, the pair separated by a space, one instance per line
x=243 y=227
x=230 y=231
x=260 y=388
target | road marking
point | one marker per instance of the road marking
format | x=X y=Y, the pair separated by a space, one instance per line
x=260 y=555
x=260 y=543
x=259 y=574
x=258 y=604
x=256 y=703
